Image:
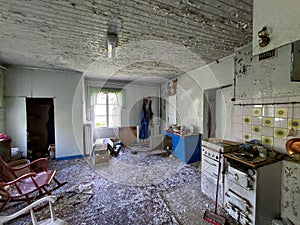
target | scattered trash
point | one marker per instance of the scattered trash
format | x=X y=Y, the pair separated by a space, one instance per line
x=159 y=152
x=80 y=193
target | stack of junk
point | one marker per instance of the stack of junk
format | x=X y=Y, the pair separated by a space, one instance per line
x=103 y=149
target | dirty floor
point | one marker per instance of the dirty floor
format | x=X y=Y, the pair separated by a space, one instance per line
x=134 y=188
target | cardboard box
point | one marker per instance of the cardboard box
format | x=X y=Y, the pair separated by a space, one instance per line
x=101 y=158
x=100 y=153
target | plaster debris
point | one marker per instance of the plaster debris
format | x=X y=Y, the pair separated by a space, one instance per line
x=176 y=200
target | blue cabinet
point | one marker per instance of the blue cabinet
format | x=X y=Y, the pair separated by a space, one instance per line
x=185 y=148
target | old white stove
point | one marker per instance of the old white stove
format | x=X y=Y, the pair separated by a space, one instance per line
x=211 y=150
x=252 y=189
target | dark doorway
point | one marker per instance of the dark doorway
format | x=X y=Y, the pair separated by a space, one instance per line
x=40 y=126
x=209 y=113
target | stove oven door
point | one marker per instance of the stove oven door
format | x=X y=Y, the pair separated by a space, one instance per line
x=237 y=200
x=209 y=177
x=242 y=179
x=239 y=196
x=238 y=207
x=209 y=166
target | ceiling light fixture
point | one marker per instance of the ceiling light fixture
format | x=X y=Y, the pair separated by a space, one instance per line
x=111 y=45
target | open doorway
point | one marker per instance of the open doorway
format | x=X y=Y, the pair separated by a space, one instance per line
x=209 y=113
x=40 y=126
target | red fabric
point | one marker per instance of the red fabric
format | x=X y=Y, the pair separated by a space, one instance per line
x=4 y=137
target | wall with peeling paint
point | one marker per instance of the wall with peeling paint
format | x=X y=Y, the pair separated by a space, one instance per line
x=264 y=79
x=265 y=86
x=66 y=89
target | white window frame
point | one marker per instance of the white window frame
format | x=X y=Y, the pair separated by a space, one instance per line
x=107 y=111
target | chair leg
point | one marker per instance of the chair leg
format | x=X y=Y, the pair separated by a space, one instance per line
x=4 y=204
x=58 y=182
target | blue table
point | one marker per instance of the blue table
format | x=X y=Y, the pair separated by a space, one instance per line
x=186 y=148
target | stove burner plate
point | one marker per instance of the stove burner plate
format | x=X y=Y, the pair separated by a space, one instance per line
x=245 y=157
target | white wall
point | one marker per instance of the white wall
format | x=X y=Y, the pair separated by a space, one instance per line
x=132 y=106
x=281 y=19
x=66 y=89
x=189 y=103
x=131 y=113
x=217 y=75
x=190 y=96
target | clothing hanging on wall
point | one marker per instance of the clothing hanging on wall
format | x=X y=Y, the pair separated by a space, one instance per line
x=144 y=122
x=150 y=113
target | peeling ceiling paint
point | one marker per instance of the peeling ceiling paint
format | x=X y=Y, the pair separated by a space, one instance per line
x=72 y=34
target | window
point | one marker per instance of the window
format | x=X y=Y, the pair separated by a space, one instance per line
x=107 y=110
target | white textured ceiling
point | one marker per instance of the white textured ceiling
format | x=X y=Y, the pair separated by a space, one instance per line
x=156 y=38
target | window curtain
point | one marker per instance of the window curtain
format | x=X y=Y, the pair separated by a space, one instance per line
x=93 y=92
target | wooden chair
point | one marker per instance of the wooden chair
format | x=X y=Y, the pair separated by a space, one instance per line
x=33 y=180
x=6 y=169
x=52 y=221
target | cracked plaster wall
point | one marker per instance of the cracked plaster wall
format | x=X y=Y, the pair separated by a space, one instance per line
x=264 y=79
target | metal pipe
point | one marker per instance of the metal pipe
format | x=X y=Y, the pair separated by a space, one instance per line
x=274 y=103
x=2 y=67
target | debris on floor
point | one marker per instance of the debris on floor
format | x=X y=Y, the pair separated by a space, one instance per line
x=158 y=152
x=131 y=189
x=79 y=193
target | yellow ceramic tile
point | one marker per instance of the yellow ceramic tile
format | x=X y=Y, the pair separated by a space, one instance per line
x=246 y=137
x=257 y=111
x=246 y=120
x=294 y=123
x=256 y=129
x=280 y=133
x=267 y=140
x=281 y=112
x=268 y=122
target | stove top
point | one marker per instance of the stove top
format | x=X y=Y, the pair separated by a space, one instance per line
x=245 y=156
x=254 y=161
x=220 y=144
